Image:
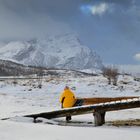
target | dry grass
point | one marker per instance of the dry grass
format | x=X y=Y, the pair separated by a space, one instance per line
x=131 y=122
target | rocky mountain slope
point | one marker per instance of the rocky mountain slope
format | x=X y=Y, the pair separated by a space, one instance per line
x=63 y=51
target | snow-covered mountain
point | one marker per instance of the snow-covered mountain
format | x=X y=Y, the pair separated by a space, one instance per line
x=63 y=51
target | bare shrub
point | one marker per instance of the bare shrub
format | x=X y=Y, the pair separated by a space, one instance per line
x=111 y=73
x=40 y=75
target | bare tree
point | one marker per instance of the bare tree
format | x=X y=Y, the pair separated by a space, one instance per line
x=111 y=73
x=40 y=74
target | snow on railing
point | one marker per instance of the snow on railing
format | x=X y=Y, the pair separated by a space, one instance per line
x=120 y=101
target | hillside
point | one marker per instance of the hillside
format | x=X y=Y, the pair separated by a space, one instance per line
x=9 y=68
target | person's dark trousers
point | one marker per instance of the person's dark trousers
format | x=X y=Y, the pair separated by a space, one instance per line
x=68 y=118
x=79 y=102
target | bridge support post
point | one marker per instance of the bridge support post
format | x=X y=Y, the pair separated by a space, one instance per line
x=99 y=118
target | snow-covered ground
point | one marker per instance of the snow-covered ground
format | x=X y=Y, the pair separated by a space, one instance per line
x=24 y=98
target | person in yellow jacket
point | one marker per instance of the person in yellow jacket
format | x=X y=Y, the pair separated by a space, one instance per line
x=67 y=100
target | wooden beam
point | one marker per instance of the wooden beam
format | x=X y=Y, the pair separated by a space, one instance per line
x=112 y=106
x=99 y=118
x=97 y=100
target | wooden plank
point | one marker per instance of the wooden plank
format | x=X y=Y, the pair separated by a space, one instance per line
x=97 y=100
x=87 y=109
x=118 y=106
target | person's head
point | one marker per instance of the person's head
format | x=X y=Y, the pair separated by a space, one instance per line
x=66 y=87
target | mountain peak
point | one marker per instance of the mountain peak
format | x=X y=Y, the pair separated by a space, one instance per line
x=61 y=51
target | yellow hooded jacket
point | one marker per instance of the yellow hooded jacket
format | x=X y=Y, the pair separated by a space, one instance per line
x=67 y=98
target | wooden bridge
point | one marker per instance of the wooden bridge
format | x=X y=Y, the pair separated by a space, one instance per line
x=99 y=110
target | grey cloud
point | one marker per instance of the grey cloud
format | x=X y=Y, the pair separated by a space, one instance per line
x=119 y=2
x=124 y=18
x=34 y=18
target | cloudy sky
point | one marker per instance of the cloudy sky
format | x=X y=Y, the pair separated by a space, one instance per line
x=111 y=27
